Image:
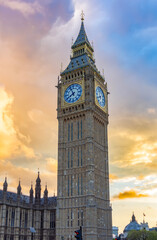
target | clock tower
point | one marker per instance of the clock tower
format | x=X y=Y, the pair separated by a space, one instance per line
x=83 y=172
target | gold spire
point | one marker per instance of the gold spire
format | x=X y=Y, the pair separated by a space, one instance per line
x=82 y=15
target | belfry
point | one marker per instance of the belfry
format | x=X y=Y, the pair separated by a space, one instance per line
x=83 y=172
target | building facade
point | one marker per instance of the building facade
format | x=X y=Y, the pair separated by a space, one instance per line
x=83 y=173
x=19 y=214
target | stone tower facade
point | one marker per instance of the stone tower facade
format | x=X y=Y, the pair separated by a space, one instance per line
x=83 y=172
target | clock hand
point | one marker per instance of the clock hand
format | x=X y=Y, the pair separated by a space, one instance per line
x=71 y=94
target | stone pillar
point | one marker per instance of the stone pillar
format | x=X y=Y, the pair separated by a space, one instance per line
x=3 y=221
x=17 y=223
x=37 y=224
x=46 y=224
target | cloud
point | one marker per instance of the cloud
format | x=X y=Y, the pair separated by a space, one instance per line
x=148 y=32
x=12 y=141
x=18 y=158
x=140 y=177
x=151 y=110
x=36 y=17
x=146 y=185
x=113 y=177
x=5 y=102
x=24 y=7
x=129 y=194
x=132 y=142
x=36 y=116
x=51 y=165
x=124 y=180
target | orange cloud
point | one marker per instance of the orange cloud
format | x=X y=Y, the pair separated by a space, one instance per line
x=140 y=177
x=17 y=157
x=5 y=102
x=11 y=140
x=130 y=194
x=113 y=177
x=51 y=165
x=36 y=116
x=132 y=141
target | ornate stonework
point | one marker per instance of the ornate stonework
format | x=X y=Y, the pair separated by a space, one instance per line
x=19 y=213
x=83 y=175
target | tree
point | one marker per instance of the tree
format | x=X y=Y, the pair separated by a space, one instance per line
x=134 y=235
x=152 y=235
x=142 y=235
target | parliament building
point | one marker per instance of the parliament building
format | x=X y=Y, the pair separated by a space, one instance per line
x=83 y=173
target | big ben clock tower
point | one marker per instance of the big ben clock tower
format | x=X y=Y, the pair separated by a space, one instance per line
x=83 y=173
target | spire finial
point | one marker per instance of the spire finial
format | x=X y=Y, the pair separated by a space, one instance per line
x=5 y=185
x=19 y=188
x=82 y=15
x=133 y=217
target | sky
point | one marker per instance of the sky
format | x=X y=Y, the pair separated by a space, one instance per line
x=35 y=40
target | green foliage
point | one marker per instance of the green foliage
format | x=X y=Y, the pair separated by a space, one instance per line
x=152 y=235
x=134 y=235
x=142 y=235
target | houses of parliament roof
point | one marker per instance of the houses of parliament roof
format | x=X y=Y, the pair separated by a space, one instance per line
x=13 y=198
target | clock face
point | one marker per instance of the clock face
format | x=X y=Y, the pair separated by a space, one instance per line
x=73 y=93
x=100 y=96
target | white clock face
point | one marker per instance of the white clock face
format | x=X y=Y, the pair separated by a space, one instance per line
x=73 y=93
x=100 y=96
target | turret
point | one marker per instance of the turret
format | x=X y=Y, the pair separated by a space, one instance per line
x=31 y=195
x=133 y=218
x=38 y=190
x=5 y=187
x=19 y=191
x=46 y=195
